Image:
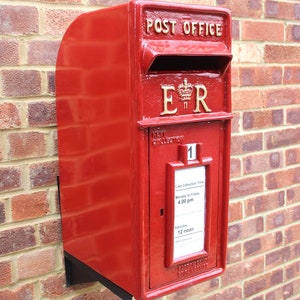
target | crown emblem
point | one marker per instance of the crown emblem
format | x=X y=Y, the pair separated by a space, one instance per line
x=185 y=90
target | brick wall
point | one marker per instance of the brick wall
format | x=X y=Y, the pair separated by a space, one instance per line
x=264 y=229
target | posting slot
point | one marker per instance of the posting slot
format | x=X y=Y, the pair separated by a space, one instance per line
x=215 y=64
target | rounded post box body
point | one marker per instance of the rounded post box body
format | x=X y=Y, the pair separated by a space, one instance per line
x=144 y=112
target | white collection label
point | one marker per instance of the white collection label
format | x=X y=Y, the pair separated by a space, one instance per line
x=189 y=212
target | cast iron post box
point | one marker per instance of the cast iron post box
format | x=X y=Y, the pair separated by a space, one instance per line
x=143 y=112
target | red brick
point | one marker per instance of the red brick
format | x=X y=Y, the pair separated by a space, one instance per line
x=271 y=241
x=246 y=186
x=234 y=232
x=245 y=229
x=276 y=219
x=10 y=178
x=284 y=292
x=283 y=217
x=21 y=83
x=252 y=227
x=293 y=195
x=100 y=294
x=293 y=33
x=235 y=77
x=6 y=273
x=295 y=250
x=234 y=254
x=282 y=54
x=9 y=116
x=276 y=277
x=54 y=286
x=292 y=233
x=289 y=290
x=262 y=119
x=247 y=99
x=28 y=206
x=259 y=76
x=36 y=263
x=17 y=239
x=235 y=167
x=282 y=138
x=284 y=178
x=250 y=52
x=64 y=1
x=9 y=50
x=240 y=271
x=293 y=116
x=262 y=31
x=26 y=145
x=235 y=125
x=2 y=214
x=291 y=75
x=200 y=290
x=232 y=293
x=105 y=2
x=293 y=270
x=240 y=8
x=19 y=19
x=279 y=97
x=235 y=212
x=51 y=83
x=56 y=21
x=294 y=215
x=277 y=117
x=43 y=174
x=54 y=142
x=50 y=232
x=186 y=293
x=264 y=203
x=281 y=10
x=42 y=52
x=42 y=113
x=262 y=162
x=271 y=8
x=235 y=29
x=252 y=247
x=292 y=288
x=263 y=282
x=25 y=292
x=277 y=257
x=246 y=143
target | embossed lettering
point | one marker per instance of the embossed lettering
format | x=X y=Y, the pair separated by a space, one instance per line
x=218 y=29
x=191 y=267
x=200 y=99
x=193 y=28
x=184 y=91
x=202 y=29
x=167 y=100
x=159 y=137
x=164 y=26
x=149 y=24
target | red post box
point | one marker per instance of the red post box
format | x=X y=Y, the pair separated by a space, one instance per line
x=143 y=112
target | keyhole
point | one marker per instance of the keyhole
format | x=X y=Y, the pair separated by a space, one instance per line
x=162 y=211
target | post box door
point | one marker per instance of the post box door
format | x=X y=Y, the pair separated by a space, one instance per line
x=185 y=184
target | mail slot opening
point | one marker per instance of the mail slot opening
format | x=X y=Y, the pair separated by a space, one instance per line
x=216 y=64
